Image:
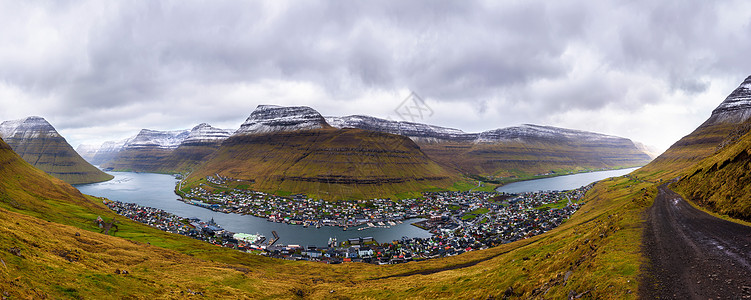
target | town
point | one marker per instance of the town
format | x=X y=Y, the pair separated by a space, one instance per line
x=458 y=221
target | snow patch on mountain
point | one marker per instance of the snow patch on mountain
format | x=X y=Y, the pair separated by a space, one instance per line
x=415 y=131
x=430 y=133
x=272 y=118
x=737 y=106
x=205 y=133
x=160 y=139
x=27 y=128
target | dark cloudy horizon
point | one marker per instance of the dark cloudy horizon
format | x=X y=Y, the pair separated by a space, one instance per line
x=651 y=71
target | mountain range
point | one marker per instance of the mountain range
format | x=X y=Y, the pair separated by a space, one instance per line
x=369 y=166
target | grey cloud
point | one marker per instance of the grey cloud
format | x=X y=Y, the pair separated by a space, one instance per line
x=114 y=60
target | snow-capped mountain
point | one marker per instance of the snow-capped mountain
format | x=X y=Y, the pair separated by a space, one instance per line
x=415 y=131
x=428 y=133
x=272 y=118
x=157 y=139
x=529 y=131
x=204 y=133
x=737 y=106
x=38 y=143
x=30 y=127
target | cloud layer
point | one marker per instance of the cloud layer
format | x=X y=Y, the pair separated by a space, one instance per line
x=101 y=70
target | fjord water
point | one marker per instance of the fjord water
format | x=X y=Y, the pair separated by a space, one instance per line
x=157 y=190
x=561 y=183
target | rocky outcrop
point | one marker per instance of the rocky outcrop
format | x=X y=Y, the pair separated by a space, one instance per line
x=272 y=118
x=38 y=143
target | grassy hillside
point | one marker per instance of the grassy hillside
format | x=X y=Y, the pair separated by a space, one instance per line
x=722 y=182
x=524 y=159
x=55 y=156
x=327 y=163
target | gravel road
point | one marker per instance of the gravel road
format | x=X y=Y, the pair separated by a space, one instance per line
x=693 y=255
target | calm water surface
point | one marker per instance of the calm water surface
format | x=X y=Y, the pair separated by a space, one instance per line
x=561 y=183
x=157 y=190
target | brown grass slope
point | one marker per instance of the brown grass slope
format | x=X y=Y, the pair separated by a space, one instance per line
x=56 y=157
x=327 y=163
x=534 y=156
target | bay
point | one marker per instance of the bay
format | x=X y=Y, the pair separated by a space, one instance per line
x=561 y=183
x=157 y=190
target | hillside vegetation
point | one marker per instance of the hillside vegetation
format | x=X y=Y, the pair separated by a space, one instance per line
x=722 y=182
x=56 y=157
x=328 y=163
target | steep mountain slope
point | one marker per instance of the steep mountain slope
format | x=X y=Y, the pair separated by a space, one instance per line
x=37 y=142
x=294 y=150
x=727 y=123
x=721 y=182
x=519 y=151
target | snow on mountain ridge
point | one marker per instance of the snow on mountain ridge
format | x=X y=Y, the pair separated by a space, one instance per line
x=415 y=131
x=26 y=128
x=154 y=138
x=273 y=118
x=736 y=108
x=205 y=133
x=430 y=133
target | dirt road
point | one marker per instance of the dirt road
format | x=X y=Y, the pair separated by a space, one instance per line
x=693 y=255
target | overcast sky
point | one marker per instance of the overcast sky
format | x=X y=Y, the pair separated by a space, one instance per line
x=99 y=70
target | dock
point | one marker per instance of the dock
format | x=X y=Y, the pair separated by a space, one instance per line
x=276 y=238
